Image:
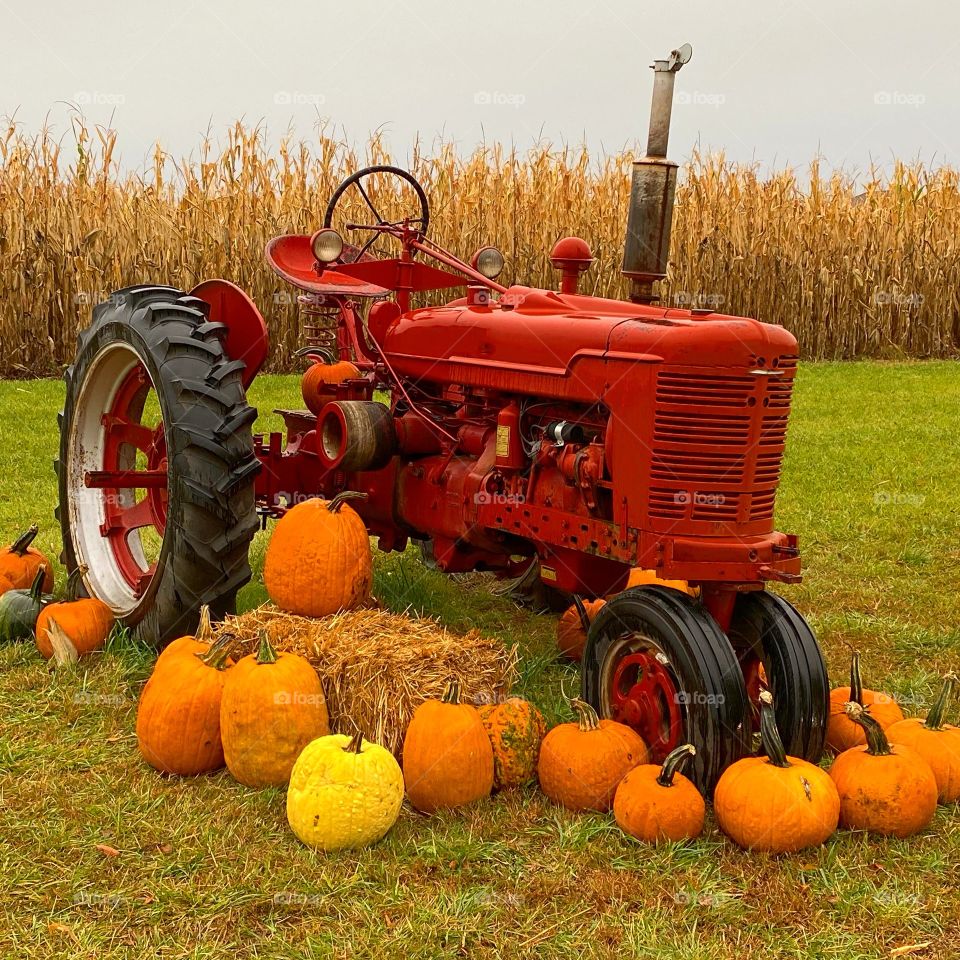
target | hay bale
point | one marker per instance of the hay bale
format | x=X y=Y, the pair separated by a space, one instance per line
x=377 y=666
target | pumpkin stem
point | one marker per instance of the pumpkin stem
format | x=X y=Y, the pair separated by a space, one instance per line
x=324 y=353
x=769 y=734
x=204 y=632
x=341 y=498
x=877 y=743
x=36 y=588
x=674 y=761
x=74 y=581
x=934 y=719
x=587 y=718
x=218 y=654
x=266 y=653
x=452 y=693
x=356 y=744
x=20 y=545
x=581 y=612
x=856 y=683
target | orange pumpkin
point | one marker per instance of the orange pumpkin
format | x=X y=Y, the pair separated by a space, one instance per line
x=776 y=803
x=656 y=803
x=574 y=625
x=447 y=757
x=178 y=717
x=639 y=577
x=85 y=621
x=842 y=732
x=324 y=371
x=884 y=788
x=937 y=742
x=20 y=562
x=5 y=584
x=272 y=707
x=516 y=729
x=582 y=763
x=318 y=560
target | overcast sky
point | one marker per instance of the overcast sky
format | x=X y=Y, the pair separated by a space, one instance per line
x=773 y=81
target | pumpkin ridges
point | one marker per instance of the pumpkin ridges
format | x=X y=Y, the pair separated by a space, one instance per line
x=86 y=621
x=884 y=789
x=20 y=562
x=516 y=729
x=571 y=634
x=775 y=803
x=842 y=733
x=19 y=609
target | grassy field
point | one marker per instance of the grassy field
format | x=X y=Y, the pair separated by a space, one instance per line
x=207 y=868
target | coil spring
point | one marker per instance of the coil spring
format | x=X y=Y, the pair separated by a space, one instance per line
x=318 y=321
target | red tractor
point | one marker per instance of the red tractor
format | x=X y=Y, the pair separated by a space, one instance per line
x=511 y=426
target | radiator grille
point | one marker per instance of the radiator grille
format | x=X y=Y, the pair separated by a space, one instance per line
x=718 y=442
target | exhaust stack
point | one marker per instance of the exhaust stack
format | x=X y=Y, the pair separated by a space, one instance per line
x=647 y=246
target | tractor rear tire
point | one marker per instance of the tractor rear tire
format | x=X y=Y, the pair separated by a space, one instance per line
x=656 y=660
x=160 y=337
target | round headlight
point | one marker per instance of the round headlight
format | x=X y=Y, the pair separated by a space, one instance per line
x=489 y=262
x=327 y=245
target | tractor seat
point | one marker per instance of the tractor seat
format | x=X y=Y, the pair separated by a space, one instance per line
x=291 y=258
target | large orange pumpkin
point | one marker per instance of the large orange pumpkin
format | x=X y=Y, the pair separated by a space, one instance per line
x=582 y=763
x=324 y=371
x=884 y=788
x=573 y=626
x=5 y=584
x=842 y=732
x=516 y=729
x=199 y=642
x=656 y=803
x=272 y=707
x=937 y=742
x=178 y=717
x=447 y=757
x=318 y=560
x=85 y=621
x=20 y=562
x=776 y=803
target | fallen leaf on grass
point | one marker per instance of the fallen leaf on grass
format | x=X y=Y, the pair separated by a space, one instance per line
x=108 y=851
x=910 y=948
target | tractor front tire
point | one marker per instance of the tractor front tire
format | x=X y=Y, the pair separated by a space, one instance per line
x=143 y=339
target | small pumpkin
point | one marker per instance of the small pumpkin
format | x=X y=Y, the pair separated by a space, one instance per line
x=937 y=742
x=324 y=371
x=884 y=787
x=842 y=732
x=344 y=793
x=582 y=763
x=447 y=756
x=178 y=717
x=657 y=803
x=20 y=608
x=574 y=625
x=20 y=562
x=516 y=729
x=776 y=803
x=272 y=707
x=318 y=560
x=638 y=577
x=86 y=621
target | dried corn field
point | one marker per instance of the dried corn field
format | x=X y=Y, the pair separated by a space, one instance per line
x=853 y=270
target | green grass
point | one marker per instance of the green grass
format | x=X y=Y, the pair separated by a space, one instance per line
x=207 y=868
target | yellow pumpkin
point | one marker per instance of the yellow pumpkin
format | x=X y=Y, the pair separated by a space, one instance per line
x=344 y=793
x=318 y=560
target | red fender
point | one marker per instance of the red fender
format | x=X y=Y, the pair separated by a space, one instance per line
x=247 y=337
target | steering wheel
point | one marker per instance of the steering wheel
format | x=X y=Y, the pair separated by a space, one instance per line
x=381 y=225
